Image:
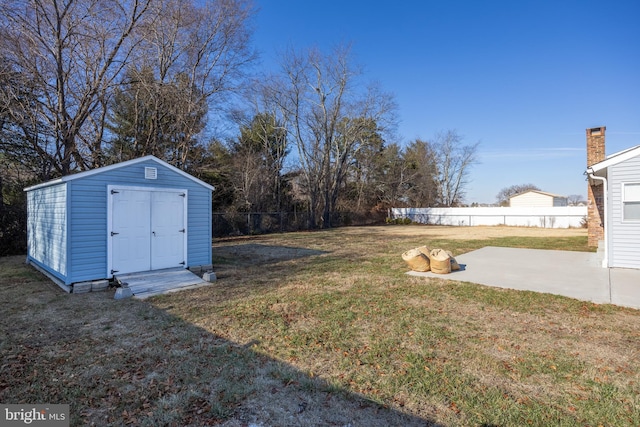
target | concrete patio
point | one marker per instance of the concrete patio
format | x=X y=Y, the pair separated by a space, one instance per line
x=571 y=274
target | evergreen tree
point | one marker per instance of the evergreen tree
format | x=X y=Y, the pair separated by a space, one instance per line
x=152 y=117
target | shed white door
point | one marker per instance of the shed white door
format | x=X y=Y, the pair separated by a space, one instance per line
x=148 y=230
x=130 y=231
x=167 y=230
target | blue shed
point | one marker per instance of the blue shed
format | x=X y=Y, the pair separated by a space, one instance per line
x=138 y=215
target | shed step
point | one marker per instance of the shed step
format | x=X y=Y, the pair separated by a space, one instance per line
x=148 y=283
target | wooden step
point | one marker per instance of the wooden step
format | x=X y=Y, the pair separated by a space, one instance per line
x=148 y=283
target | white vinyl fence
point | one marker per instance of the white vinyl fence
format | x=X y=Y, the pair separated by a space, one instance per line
x=547 y=217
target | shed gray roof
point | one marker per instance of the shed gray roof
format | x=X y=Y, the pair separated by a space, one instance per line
x=85 y=174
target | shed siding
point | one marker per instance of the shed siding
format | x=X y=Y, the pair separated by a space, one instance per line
x=88 y=231
x=47 y=229
x=624 y=236
x=199 y=223
x=88 y=214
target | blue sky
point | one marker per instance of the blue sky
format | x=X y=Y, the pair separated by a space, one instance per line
x=523 y=78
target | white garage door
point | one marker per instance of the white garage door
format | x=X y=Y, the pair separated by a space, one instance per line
x=148 y=229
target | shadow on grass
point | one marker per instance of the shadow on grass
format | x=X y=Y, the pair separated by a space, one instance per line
x=259 y=254
x=129 y=362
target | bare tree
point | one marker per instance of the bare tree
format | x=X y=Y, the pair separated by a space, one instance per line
x=454 y=162
x=72 y=56
x=259 y=155
x=575 y=199
x=327 y=116
x=248 y=182
x=263 y=126
x=17 y=128
x=202 y=48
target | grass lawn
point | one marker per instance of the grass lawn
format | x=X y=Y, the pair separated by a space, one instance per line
x=325 y=328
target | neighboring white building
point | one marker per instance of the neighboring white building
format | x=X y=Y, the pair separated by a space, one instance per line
x=537 y=199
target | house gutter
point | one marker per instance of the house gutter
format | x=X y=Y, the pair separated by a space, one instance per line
x=590 y=173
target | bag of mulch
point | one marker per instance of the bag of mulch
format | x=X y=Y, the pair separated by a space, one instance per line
x=440 y=261
x=416 y=260
x=424 y=250
x=454 y=264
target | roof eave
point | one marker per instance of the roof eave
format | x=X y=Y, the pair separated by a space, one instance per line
x=599 y=169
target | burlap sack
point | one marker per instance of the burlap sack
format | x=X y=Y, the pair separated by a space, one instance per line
x=440 y=261
x=454 y=264
x=416 y=260
x=425 y=250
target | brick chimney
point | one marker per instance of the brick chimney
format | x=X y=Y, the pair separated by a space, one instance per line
x=595 y=193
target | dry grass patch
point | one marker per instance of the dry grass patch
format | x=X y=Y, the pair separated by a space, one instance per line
x=324 y=328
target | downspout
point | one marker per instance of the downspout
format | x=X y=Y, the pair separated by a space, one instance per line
x=590 y=173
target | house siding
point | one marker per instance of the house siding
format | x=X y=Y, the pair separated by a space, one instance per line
x=47 y=229
x=68 y=221
x=624 y=236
